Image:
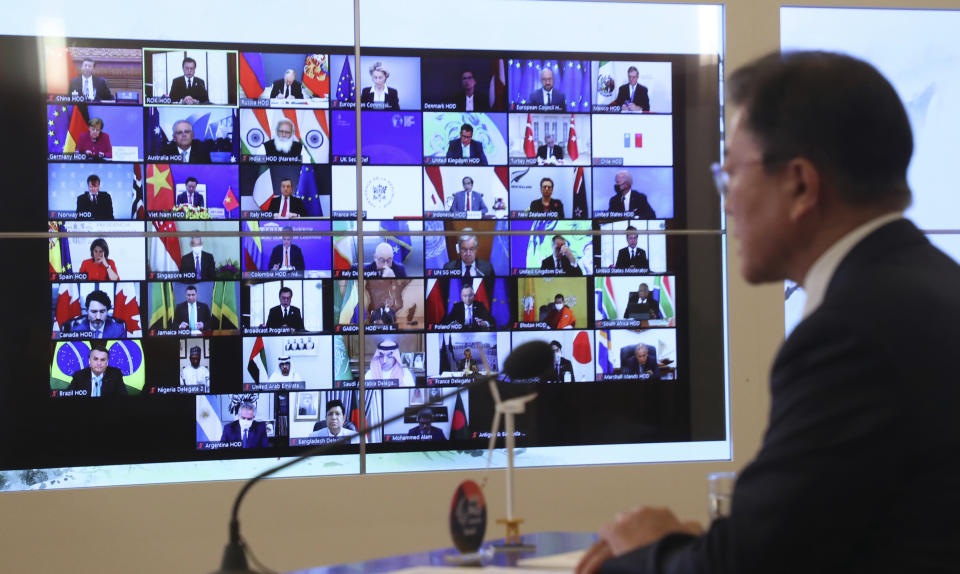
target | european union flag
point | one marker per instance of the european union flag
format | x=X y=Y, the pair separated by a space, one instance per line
x=309 y=192
x=345 y=87
x=393 y=234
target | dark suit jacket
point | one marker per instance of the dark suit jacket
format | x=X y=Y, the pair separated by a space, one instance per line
x=474 y=365
x=270 y=148
x=565 y=367
x=536 y=206
x=556 y=98
x=639 y=260
x=112 y=382
x=208 y=269
x=435 y=433
x=640 y=97
x=197 y=198
x=633 y=303
x=458 y=315
x=199 y=152
x=476 y=201
x=480 y=103
x=198 y=90
x=630 y=367
x=256 y=437
x=388 y=318
x=102 y=211
x=398 y=269
x=637 y=204
x=568 y=268
x=295 y=206
x=294 y=319
x=455 y=150
x=863 y=409
x=182 y=315
x=482 y=265
x=390 y=102
x=557 y=152
x=296 y=257
x=296 y=89
x=112 y=328
x=100 y=87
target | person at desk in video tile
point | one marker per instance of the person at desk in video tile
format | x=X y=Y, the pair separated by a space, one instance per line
x=425 y=426
x=188 y=89
x=631 y=256
x=285 y=315
x=545 y=204
x=88 y=85
x=99 y=379
x=335 y=420
x=96 y=320
x=183 y=145
x=252 y=433
x=470 y=313
x=98 y=203
x=100 y=267
x=563 y=258
x=642 y=305
x=191 y=314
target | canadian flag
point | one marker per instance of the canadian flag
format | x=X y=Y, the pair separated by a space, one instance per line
x=126 y=307
x=68 y=304
x=572 y=152
x=529 y=146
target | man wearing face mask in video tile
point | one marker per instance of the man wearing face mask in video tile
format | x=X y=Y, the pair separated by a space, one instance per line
x=562 y=368
x=561 y=316
x=253 y=433
x=197 y=263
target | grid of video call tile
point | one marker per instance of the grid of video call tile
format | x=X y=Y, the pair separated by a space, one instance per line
x=247 y=285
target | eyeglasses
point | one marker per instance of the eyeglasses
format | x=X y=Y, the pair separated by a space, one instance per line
x=721 y=177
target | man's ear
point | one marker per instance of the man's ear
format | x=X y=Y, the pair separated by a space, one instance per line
x=804 y=186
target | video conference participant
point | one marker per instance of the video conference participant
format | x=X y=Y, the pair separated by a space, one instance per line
x=287 y=256
x=199 y=264
x=641 y=302
x=96 y=320
x=380 y=96
x=100 y=267
x=562 y=259
x=425 y=426
x=469 y=313
x=191 y=314
x=467 y=263
x=191 y=196
x=632 y=96
x=550 y=152
x=560 y=315
x=285 y=315
x=99 y=379
x=252 y=433
x=287 y=87
x=386 y=365
x=95 y=143
x=628 y=200
x=562 y=371
x=183 y=145
x=88 y=85
x=631 y=256
x=467 y=199
x=467 y=364
x=285 y=143
x=98 y=203
x=286 y=206
x=546 y=204
x=384 y=314
x=285 y=372
x=335 y=418
x=642 y=364
x=383 y=264
x=188 y=89
x=546 y=95
x=195 y=373
x=468 y=99
x=465 y=148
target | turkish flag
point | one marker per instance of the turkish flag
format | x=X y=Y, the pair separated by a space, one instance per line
x=572 y=151
x=529 y=147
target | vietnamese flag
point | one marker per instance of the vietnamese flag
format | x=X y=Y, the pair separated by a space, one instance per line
x=160 y=190
x=529 y=146
x=230 y=201
x=572 y=151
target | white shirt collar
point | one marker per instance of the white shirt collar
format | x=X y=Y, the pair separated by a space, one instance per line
x=821 y=272
x=473 y=270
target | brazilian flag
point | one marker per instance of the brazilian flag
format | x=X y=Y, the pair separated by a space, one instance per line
x=71 y=356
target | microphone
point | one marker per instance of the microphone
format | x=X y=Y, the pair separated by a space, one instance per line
x=528 y=360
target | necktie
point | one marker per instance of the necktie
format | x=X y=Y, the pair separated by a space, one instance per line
x=548 y=98
x=631 y=253
x=556 y=263
x=93 y=198
x=286 y=257
x=98 y=334
x=284 y=312
x=193 y=316
x=196 y=266
x=190 y=199
x=246 y=433
x=468 y=201
x=286 y=92
x=283 y=212
x=468 y=314
x=89 y=82
x=467 y=274
x=549 y=151
x=189 y=84
x=95 y=387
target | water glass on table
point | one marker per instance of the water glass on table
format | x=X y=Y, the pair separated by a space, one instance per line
x=720 y=497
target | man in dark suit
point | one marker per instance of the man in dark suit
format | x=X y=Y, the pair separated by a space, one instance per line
x=563 y=258
x=857 y=470
x=97 y=322
x=468 y=99
x=98 y=203
x=89 y=86
x=183 y=145
x=469 y=313
x=191 y=196
x=641 y=363
x=287 y=87
x=384 y=264
x=467 y=199
x=285 y=205
x=245 y=429
x=631 y=256
x=550 y=152
x=468 y=264
x=425 y=426
x=192 y=314
x=467 y=363
x=547 y=95
x=628 y=200
x=464 y=146
x=562 y=370
x=99 y=379
x=384 y=314
x=641 y=302
x=632 y=96
x=188 y=89
x=284 y=144
x=285 y=315
x=207 y=269
x=287 y=256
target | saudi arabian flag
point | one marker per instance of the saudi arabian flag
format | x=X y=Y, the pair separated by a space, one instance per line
x=341 y=360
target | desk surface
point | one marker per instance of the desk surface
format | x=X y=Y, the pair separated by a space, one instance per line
x=547 y=543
